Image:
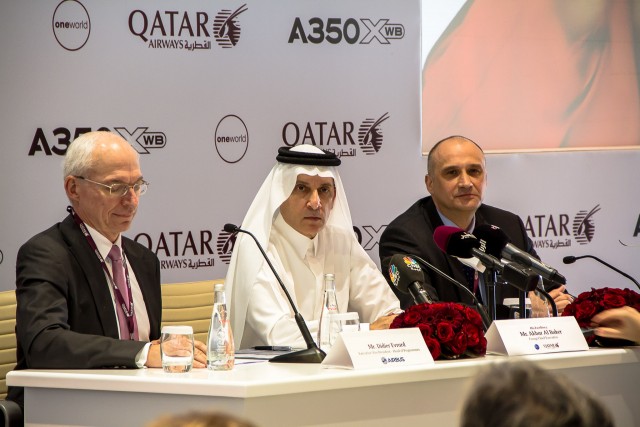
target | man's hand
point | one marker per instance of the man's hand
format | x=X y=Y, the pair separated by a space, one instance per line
x=154 y=358
x=383 y=322
x=200 y=354
x=623 y=322
x=560 y=298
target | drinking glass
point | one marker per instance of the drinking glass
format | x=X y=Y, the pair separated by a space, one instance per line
x=176 y=348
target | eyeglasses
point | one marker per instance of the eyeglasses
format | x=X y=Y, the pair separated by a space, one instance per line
x=120 y=189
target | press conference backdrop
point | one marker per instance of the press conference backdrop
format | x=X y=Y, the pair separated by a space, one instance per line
x=208 y=92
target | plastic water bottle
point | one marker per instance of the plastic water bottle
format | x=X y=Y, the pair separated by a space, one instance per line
x=326 y=333
x=220 y=348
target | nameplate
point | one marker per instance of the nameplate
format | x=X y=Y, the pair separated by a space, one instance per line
x=535 y=336
x=378 y=349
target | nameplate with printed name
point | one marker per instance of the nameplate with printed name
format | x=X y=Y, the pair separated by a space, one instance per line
x=378 y=349
x=517 y=337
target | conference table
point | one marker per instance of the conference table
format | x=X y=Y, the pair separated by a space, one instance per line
x=273 y=394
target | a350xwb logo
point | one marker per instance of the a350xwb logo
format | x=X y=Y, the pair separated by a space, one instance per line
x=186 y=30
x=57 y=141
x=71 y=24
x=340 y=138
x=351 y=31
x=556 y=231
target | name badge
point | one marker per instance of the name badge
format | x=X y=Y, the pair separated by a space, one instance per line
x=378 y=349
x=516 y=337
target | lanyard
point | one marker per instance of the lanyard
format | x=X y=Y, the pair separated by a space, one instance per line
x=128 y=311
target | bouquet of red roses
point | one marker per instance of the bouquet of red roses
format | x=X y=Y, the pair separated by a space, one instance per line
x=588 y=304
x=450 y=330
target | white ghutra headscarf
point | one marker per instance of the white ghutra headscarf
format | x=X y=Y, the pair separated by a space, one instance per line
x=246 y=259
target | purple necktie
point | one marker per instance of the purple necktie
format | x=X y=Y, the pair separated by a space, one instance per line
x=118 y=277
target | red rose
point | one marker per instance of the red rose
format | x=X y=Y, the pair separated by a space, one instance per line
x=613 y=300
x=411 y=318
x=444 y=331
x=459 y=344
x=434 y=347
x=586 y=310
x=473 y=334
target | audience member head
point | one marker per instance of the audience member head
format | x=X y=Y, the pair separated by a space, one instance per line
x=456 y=178
x=200 y=419
x=520 y=394
x=103 y=181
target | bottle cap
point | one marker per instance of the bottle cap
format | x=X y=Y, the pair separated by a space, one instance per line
x=218 y=287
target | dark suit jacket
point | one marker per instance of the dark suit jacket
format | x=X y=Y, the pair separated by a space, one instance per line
x=412 y=233
x=65 y=317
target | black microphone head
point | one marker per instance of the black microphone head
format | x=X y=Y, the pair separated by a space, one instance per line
x=495 y=238
x=455 y=241
x=569 y=259
x=230 y=228
x=404 y=270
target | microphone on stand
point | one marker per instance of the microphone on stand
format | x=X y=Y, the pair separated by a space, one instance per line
x=486 y=320
x=312 y=354
x=455 y=241
x=571 y=259
x=498 y=245
x=407 y=276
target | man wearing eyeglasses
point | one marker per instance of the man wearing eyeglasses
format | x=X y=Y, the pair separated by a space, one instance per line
x=88 y=297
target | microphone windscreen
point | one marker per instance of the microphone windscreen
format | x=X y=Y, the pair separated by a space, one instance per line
x=404 y=270
x=455 y=241
x=569 y=259
x=494 y=237
x=230 y=228
x=442 y=234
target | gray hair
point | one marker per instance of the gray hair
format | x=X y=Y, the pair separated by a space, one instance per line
x=79 y=160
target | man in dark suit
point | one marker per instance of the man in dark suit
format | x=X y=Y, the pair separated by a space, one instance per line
x=456 y=179
x=87 y=297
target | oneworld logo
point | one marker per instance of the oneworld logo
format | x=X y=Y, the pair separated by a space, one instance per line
x=231 y=138
x=56 y=141
x=71 y=25
x=350 y=30
x=340 y=138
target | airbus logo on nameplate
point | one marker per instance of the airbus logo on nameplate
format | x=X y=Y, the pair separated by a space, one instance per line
x=556 y=231
x=186 y=30
x=337 y=137
x=57 y=141
x=71 y=25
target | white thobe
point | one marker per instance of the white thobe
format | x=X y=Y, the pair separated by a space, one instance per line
x=301 y=264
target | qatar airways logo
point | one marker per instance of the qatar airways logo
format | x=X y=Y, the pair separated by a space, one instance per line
x=344 y=139
x=224 y=245
x=556 y=231
x=186 y=30
x=180 y=249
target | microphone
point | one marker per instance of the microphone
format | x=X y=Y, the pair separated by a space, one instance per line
x=498 y=245
x=571 y=259
x=486 y=320
x=455 y=241
x=312 y=354
x=407 y=276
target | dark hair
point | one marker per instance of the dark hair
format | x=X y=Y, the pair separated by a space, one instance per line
x=520 y=394
x=200 y=419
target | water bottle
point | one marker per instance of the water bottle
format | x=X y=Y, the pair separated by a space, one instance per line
x=220 y=348
x=326 y=333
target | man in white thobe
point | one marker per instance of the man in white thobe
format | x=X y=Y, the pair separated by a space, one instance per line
x=301 y=216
